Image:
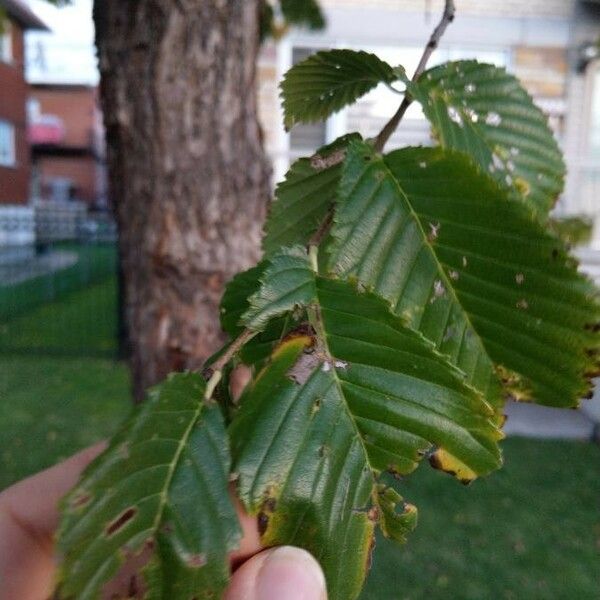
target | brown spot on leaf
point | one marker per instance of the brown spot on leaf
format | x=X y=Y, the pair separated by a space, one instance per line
x=120 y=522
x=319 y=163
x=393 y=471
x=303 y=368
x=522 y=304
x=167 y=528
x=129 y=581
x=80 y=499
x=373 y=514
x=444 y=461
x=134 y=587
x=434 y=230
x=263 y=523
x=304 y=329
x=316 y=406
x=270 y=504
x=370 y=553
x=195 y=561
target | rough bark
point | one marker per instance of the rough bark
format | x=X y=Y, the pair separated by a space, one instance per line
x=187 y=171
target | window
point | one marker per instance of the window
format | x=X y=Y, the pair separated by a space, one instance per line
x=7 y=144
x=305 y=138
x=6 y=54
x=594 y=116
x=588 y=165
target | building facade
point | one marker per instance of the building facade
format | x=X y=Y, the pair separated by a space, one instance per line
x=542 y=42
x=67 y=144
x=14 y=149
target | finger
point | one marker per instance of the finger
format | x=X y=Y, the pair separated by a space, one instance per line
x=283 y=572
x=240 y=377
x=28 y=518
x=35 y=500
x=29 y=515
x=250 y=542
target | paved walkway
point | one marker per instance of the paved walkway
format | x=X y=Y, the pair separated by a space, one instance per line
x=12 y=274
x=535 y=421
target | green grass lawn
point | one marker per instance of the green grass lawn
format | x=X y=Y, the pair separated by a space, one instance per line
x=50 y=407
x=81 y=323
x=95 y=263
x=529 y=531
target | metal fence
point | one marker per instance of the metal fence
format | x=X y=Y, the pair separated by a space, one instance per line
x=58 y=289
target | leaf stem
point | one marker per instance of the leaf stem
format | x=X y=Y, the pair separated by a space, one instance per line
x=313 y=255
x=318 y=236
x=216 y=369
x=212 y=383
x=389 y=128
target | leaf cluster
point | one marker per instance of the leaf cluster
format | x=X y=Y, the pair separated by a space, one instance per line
x=402 y=298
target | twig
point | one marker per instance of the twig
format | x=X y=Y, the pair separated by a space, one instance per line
x=432 y=44
x=216 y=369
x=318 y=236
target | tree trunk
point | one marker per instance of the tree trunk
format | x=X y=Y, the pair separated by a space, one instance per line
x=187 y=172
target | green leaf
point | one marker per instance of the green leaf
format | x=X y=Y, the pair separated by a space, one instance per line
x=235 y=298
x=482 y=110
x=329 y=80
x=470 y=269
x=287 y=283
x=304 y=197
x=395 y=523
x=333 y=409
x=380 y=241
x=159 y=491
x=303 y=12
x=235 y=303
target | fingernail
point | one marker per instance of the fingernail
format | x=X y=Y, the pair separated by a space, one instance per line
x=290 y=573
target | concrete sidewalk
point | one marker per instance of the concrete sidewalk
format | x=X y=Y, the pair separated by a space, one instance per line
x=531 y=420
x=42 y=264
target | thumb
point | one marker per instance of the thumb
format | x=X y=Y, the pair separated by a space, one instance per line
x=283 y=572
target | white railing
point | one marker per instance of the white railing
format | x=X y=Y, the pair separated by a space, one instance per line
x=584 y=193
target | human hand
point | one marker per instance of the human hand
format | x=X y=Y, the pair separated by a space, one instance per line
x=29 y=517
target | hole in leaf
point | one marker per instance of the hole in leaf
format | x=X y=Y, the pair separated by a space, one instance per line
x=121 y=521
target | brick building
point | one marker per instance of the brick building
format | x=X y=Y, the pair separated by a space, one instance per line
x=66 y=136
x=541 y=41
x=14 y=149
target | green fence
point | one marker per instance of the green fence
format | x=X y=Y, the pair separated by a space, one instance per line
x=60 y=299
